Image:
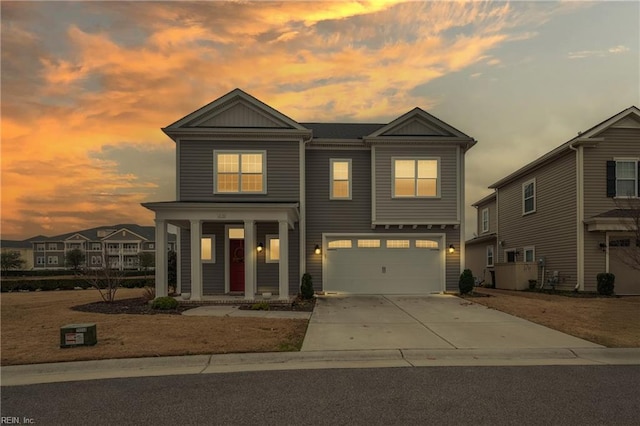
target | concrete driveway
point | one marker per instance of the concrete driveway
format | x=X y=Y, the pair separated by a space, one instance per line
x=423 y=322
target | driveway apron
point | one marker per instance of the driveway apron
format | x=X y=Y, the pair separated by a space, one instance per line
x=423 y=322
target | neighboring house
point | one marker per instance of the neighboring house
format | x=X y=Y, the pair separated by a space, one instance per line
x=25 y=248
x=263 y=199
x=120 y=245
x=570 y=213
x=481 y=250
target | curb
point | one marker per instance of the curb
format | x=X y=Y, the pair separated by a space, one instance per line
x=272 y=361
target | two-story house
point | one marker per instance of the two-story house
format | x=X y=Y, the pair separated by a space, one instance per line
x=481 y=250
x=263 y=199
x=120 y=245
x=573 y=213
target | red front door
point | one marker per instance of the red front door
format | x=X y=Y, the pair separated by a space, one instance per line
x=236 y=265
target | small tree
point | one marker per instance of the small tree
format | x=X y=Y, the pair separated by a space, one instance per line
x=306 y=288
x=106 y=280
x=12 y=260
x=74 y=259
x=606 y=283
x=146 y=261
x=466 y=282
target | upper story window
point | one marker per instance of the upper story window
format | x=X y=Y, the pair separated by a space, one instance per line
x=39 y=247
x=529 y=197
x=53 y=246
x=415 y=177
x=485 y=220
x=622 y=178
x=340 y=179
x=239 y=172
x=96 y=246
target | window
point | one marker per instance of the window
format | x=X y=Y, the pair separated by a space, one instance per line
x=340 y=244
x=368 y=243
x=52 y=260
x=489 y=255
x=273 y=249
x=397 y=243
x=39 y=247
x=624 y=242
x=511 y=255
x=529 y=197
x=485 y=220
x=96 y=246
x=207 y=248
x=132 y=261
x=426 y=244
x=622 y=178
x=239 y=172
x=151 y=246
x=96 y=260
x=340 y=179
x=53 y=246
x=415 y=177
x=529 y=254
x=40 y=260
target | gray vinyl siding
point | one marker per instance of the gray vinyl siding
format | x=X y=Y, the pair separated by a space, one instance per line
x=617 y=143
x=551 y=229
x=268 y=274
x=492 y=217
x=196 y=170
x=353 y=216
x=421 y=210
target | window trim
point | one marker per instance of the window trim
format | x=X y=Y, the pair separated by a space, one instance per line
x=493 y=256
x=415 y=159
x=482 y=214
x=54 y=245
x=211 y=237
x=41 y=247
x=527 y=249
x=239 y=152
x=332 y=161
x=533 y=197
x=268 y=238
x=41 y=260
x=50 y=258
x=636 y=179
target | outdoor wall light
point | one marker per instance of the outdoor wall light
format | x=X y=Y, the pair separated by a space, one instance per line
x=603 y=246
x=260 y=247
x=317 y=249
x=451 y=248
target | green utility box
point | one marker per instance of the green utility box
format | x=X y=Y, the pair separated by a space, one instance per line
x=78 y=335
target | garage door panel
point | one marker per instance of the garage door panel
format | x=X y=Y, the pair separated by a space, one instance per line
x=383 y=270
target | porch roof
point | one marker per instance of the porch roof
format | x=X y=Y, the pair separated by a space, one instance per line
x=176 y=211
x=614 y=220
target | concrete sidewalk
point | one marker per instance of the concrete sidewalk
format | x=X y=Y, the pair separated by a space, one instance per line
x=227 y=363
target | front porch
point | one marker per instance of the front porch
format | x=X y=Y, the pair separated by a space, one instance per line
x=235 y=250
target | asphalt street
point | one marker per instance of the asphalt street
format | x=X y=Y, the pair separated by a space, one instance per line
x=533 y=395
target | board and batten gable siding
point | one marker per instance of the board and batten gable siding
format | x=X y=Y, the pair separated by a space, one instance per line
x=196 y=168
x=354 y=216
x=421 y=210
x=618 y=142
x=551 y=229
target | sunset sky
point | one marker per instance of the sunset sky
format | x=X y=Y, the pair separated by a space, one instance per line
x=86 y=86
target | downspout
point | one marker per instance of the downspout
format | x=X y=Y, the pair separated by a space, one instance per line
x=302 y=231
x=580 y=214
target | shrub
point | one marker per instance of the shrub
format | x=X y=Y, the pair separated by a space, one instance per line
x=606 y=283
x=533 y=284
x=306 y=288
x=165 y=303
x=466 y=282
x=260 y=306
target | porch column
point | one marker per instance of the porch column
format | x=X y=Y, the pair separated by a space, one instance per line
x=196 y=260
x=249 y=259
x=283 y=235
x=161 y=269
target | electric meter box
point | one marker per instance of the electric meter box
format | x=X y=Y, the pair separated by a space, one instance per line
x=78 y=335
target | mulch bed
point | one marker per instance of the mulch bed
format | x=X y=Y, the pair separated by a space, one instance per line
x=140 y=306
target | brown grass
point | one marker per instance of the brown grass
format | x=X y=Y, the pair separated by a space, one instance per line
x=31 y=331
x=609 y=321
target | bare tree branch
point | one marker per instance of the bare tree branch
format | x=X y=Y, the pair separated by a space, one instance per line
x=106 y=279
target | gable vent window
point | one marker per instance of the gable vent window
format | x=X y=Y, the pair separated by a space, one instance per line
x=623 y=178
x=239 y=172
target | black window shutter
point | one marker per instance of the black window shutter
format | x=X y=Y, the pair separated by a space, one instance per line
x=611 y=178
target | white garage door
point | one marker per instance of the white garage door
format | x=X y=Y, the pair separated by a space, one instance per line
x=383 y=265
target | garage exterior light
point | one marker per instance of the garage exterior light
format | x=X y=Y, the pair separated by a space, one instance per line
x=452 y=249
